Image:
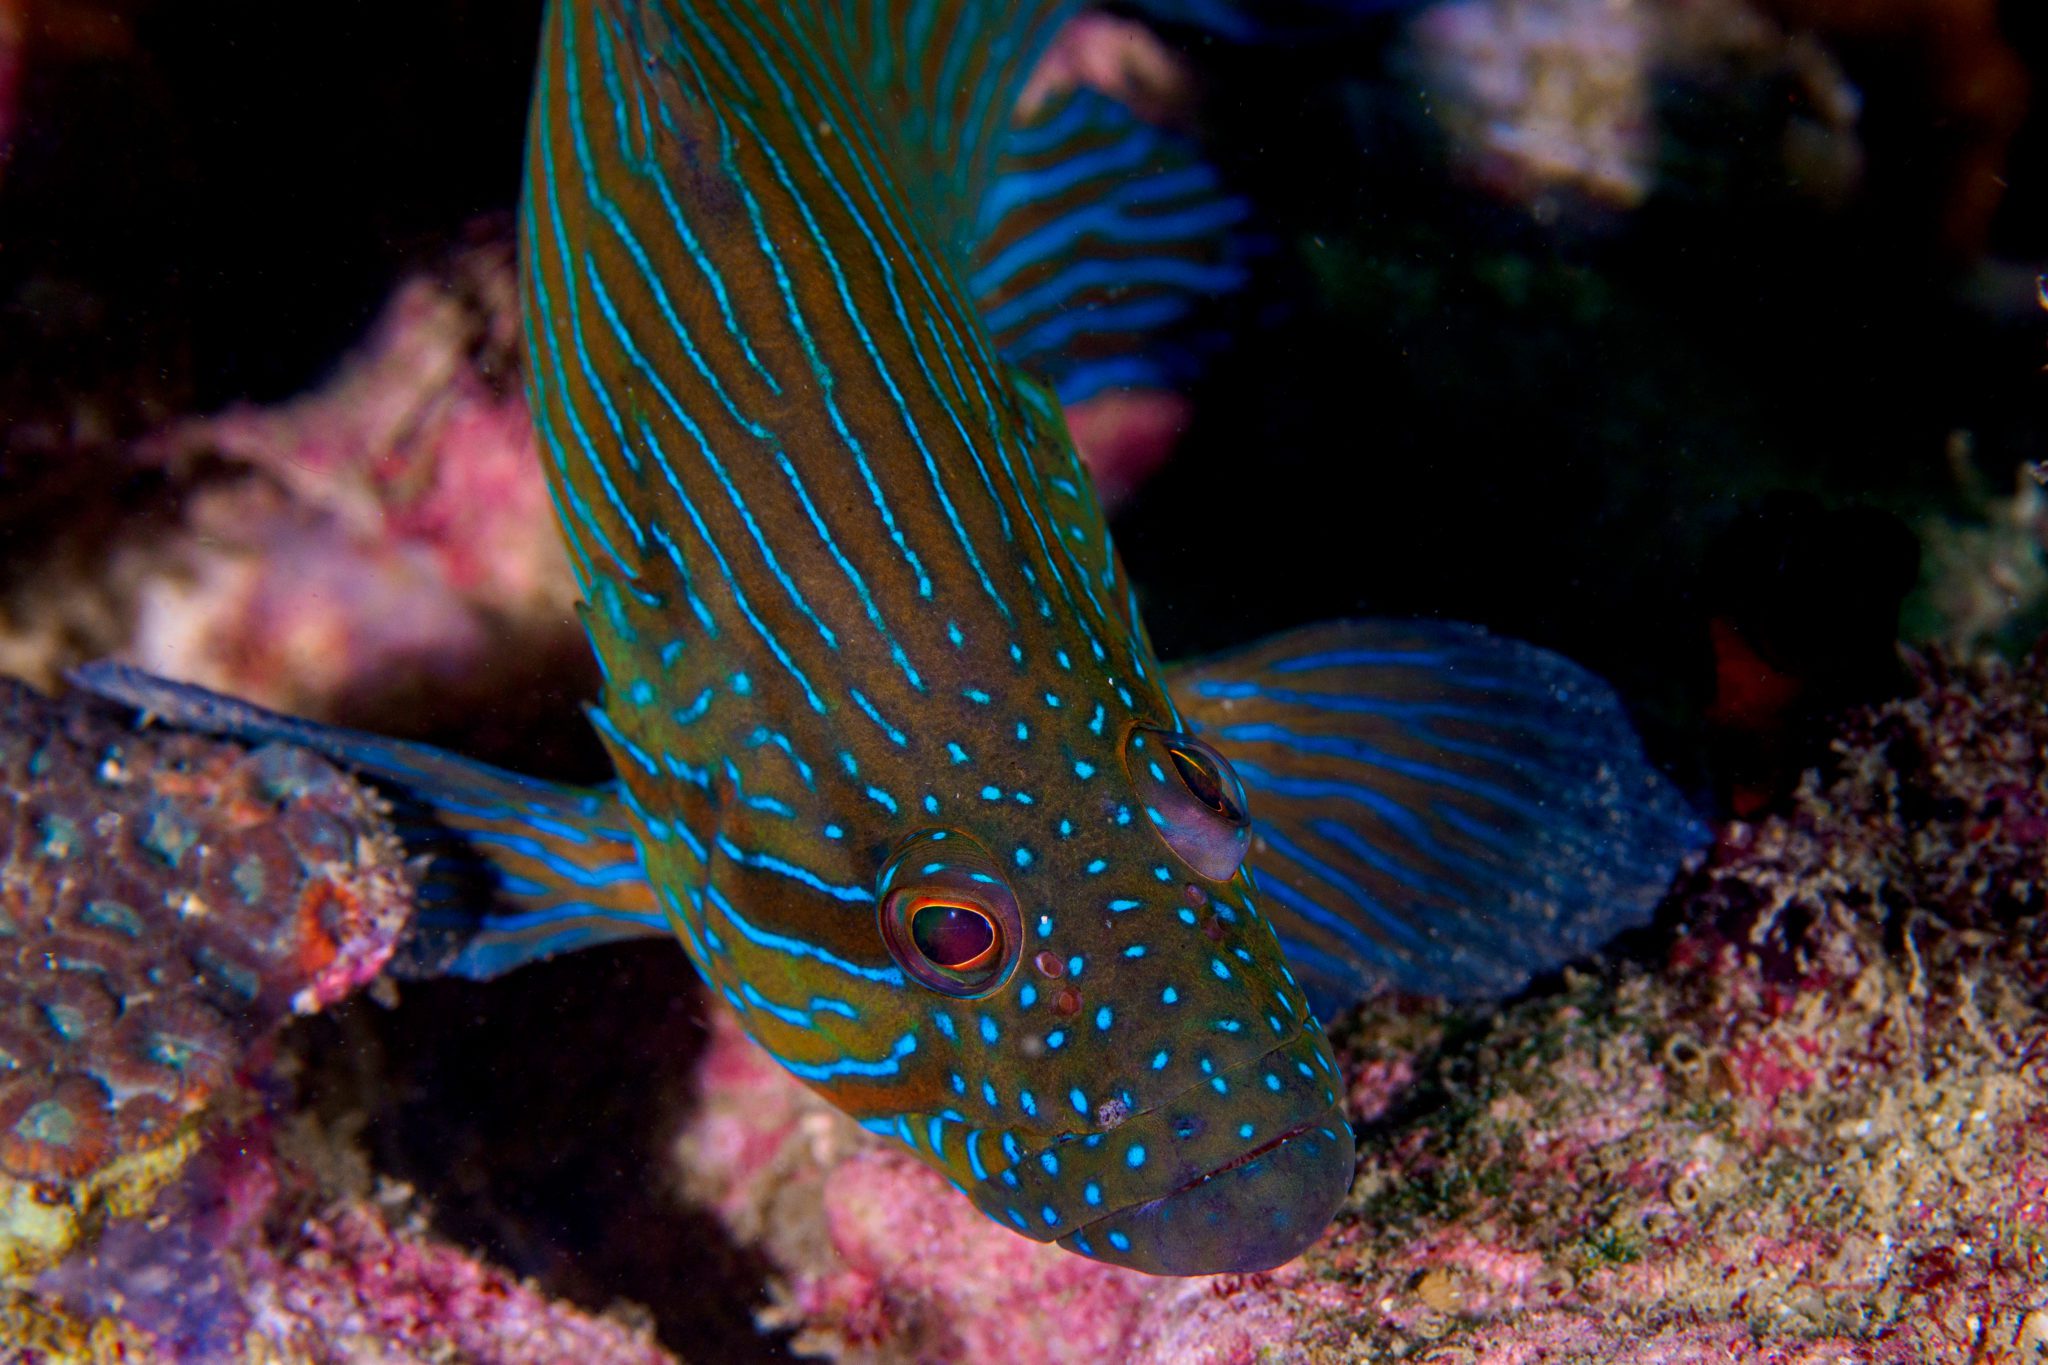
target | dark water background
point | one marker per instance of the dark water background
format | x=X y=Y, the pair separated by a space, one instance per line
x=1446 y=406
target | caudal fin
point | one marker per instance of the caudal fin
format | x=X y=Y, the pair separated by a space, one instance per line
x=1434 y=808
x=1103 y=243
x=515 y=869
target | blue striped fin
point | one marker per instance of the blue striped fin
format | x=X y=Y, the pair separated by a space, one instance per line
x=1436 y=809
x=1103 y=242
x=515 y=869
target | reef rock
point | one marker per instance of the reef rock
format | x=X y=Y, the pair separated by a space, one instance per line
x=165 y=902
x=1812 y=1129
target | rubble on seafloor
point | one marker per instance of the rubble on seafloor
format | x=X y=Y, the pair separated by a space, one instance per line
x=386 y=533
x=1814 y=1133
x=1807 y=1126
x=167 y=903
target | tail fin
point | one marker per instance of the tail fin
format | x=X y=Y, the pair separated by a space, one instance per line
x=1436 y=809
x=1101 y=240
x=515 y=869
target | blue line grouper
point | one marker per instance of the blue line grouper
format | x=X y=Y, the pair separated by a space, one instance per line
x=895 y=760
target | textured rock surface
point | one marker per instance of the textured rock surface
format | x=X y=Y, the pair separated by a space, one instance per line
x=1814 y=1132
x=274 y=1248
x=165 y=902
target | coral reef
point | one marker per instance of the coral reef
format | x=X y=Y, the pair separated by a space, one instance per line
x=1552 y=102
x=1549 y=101
x=274 y=1248
x=164 y=903
x=385 y=533
x=385 y=538
x=391 y=525
x=1814 y=1132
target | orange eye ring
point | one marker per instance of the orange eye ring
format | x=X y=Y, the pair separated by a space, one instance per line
x=953 y=935
x=948 y=916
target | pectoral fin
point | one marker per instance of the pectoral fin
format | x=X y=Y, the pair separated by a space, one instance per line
x=515 y=869
x=1434 y=808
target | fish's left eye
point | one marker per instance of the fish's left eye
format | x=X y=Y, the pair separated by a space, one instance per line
x=1199 y=771
x=948 y=916
x=957 y=937
x=1193 y=799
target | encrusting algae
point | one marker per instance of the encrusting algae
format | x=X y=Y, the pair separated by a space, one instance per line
x=1813 y=1130
x=1807 y=1125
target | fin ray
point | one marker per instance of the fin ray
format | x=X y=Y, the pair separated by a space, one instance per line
x=516 y=869
x=1102 y=242
x=1436 y=809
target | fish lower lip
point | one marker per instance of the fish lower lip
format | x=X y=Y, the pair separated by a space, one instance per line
x=1256 y=1211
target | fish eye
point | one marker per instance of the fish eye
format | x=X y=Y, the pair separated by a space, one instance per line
x=1193 y=798
x=948 y=916
x=1199 y=772
x=959 y=938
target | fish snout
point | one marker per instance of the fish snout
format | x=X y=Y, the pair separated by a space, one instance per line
x=1252 y=1216
x=1259 y=1197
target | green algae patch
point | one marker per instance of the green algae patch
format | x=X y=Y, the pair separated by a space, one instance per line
x=1813 y=1126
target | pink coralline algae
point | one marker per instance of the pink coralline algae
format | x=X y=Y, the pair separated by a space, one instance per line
x=883 y=1261
x=255 y=1256
x=387 y=529
x=1814 y=1133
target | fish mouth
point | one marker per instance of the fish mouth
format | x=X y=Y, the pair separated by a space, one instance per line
x=1259 y=1208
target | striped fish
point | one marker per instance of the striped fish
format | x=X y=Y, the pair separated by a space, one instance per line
x=895 y=760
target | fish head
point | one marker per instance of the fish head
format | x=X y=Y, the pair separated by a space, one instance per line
x=1068 y=1002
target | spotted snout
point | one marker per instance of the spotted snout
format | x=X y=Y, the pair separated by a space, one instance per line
x=1239 y=1172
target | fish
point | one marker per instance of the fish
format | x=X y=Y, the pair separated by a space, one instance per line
x=895 y=759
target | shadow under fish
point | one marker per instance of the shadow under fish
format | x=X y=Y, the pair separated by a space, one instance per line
x=895 y=760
